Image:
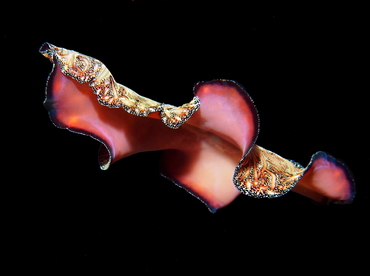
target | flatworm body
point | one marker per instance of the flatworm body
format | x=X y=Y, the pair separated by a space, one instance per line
x=208 y=145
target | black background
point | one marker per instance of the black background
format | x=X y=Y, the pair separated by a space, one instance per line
x=303 y=71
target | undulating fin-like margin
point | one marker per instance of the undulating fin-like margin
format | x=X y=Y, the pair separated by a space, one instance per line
x=324 y=180
x=212 y=155
x=109 y=93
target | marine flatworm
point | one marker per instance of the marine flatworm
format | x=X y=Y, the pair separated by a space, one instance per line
x=208 y=144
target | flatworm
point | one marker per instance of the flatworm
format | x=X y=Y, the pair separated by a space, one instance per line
x=208 y=145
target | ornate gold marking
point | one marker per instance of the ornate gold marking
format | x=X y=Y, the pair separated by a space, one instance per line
x=109 y=93
x=264 y=174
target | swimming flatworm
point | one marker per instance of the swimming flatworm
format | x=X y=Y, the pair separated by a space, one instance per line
x=208 y=145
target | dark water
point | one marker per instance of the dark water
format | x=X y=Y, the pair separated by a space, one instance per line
x=61 y=209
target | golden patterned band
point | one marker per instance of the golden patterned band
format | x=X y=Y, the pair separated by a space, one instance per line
x=109 y=93
x=264 y=174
